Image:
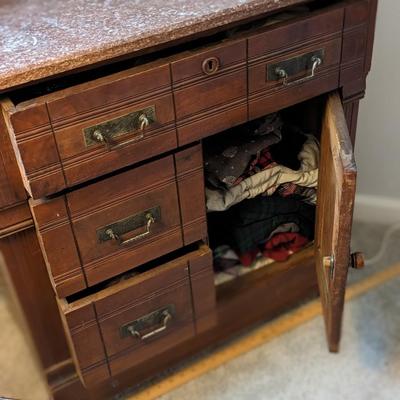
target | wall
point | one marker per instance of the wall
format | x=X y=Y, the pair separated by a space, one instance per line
x=378 y=134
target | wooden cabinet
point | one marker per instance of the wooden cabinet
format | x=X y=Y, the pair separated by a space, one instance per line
x=115 y=193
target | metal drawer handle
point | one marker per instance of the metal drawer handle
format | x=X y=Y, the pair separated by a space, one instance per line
x=166 y=318
x=99 y=137
x=115 y=230
x=144 y=123
x=106 y=132
x=158 y=320
x=114 y=236
x=281 y=73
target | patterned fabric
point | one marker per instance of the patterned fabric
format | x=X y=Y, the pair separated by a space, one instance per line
x=224 y=164
x=268 y=180
x=261 y=161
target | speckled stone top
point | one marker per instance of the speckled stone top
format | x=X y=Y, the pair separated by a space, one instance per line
x=41 y=38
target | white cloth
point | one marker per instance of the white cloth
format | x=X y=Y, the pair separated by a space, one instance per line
x=268 y=180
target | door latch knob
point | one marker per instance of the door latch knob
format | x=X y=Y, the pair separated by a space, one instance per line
x=357 y=260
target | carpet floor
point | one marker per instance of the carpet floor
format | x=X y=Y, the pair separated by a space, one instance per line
x=293 y=366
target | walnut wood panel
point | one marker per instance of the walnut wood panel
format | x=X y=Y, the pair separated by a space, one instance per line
x=210 y=93
x=85 y=342
x=285 y=97
x=203 y=291
x=266 y=96
x=373 y=7
x=58 y=245
x=355 y=46
x=190 y=177
x=167 y=286
x=36 y=150
x=93 y=323
x=336 y=191
x=67 y=225
x=27 y=272
x=73 y=113
x=82 y=163
x=133 y=351
x=11 y=185
x=258 y=81
x=210 y=122
x=350 y=107
x=296 y=33
x=15 y=219
x=319 y=31
x=49 y=136
x=201 y=97
x=122 y=196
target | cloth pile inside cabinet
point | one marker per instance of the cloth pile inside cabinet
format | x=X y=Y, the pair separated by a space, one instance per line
x=261 y=190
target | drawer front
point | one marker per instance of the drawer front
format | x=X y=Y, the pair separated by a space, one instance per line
x=284 y=71
x=206 y=84
x=140 y=317
x=106 y=228
x=97 y=128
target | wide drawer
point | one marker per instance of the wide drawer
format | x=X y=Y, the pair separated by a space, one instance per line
x=140 y=317
x=207 y=84
x=294 y=61
x=92 y=129
x=111 y=226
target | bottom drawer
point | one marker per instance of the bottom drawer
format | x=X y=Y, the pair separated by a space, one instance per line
x=134 y=318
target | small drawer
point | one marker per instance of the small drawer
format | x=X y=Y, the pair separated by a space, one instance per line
x=206 y=85
x=95 y=128
x=294 y=61
x=108 y=227
x=137 y=318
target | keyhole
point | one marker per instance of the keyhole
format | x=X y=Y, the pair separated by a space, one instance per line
x=210 y=65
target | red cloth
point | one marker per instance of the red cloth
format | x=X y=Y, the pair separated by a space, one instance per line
x=246 y=259
x=280 y=247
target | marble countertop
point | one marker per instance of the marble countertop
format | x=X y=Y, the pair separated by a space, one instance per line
x=42 y=38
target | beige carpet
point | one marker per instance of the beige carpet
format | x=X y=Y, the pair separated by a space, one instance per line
x=20 y=377
x=297 y=366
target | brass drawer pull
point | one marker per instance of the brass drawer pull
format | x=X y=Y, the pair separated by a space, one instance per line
x=160 y=317
x=285 y=69
x=114 y=236
x=166 y=318
x=117 y=229
x=106 y=132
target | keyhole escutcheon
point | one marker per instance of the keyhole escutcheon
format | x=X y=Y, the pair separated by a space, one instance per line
x=210 y=65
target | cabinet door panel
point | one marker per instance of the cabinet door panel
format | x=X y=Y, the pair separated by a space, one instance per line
x=336 y=192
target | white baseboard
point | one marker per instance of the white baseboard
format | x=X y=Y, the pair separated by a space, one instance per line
x=379 y=209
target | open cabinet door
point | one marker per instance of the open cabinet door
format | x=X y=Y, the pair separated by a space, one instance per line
x=336 y=190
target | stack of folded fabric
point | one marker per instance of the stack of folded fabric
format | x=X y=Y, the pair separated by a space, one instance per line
x=265 y=183
x=274 y=227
